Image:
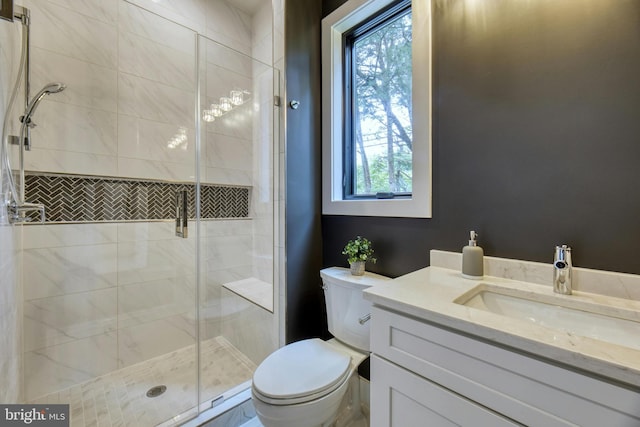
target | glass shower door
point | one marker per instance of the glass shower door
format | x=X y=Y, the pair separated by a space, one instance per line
x=238 y=129
x=110 y=314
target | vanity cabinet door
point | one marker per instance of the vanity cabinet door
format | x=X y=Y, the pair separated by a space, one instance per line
x=530 y=391
x=400 y=398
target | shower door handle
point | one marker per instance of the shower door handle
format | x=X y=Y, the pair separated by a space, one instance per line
x=181 y=214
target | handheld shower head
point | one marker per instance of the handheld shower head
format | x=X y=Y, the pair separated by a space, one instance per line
x=27 y=123
x=35 y=101
x=54 y=87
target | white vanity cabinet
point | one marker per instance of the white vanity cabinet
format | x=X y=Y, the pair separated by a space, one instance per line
x=403 y=399
x=426 y=375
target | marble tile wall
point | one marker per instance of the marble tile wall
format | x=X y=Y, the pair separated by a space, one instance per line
x=11 y=367
x=227 y=143
x=247 y=326
x=264 y=79
x=77 y=46
x=65 y=342
x=259 y=342
x=131 y=81
x=226 y=257
x=100 y=297
x=10 y=281
x=131 y=85
x=188 y=13
x=229 y=25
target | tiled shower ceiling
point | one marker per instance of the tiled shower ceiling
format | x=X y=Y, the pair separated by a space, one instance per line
x=78 y=199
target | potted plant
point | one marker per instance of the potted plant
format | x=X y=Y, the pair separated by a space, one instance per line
x=358 y=252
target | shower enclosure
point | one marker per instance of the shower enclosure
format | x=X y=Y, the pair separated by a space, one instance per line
x=115 y=305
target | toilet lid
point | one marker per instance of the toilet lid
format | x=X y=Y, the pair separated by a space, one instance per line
x=300 y=369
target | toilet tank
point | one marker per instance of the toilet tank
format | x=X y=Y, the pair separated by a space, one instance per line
x=345 y=304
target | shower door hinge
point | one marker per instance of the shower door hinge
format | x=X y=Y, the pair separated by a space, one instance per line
x=276 y=100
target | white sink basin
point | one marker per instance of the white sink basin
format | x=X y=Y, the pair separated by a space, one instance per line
x=572 y=314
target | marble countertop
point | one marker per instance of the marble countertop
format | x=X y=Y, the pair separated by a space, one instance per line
x=429 y=294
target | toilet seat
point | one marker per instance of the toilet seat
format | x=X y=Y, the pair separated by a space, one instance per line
x=301 y=372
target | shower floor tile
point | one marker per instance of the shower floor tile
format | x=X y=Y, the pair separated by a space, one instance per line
x=119 y=398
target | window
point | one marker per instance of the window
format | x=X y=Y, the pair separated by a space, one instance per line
x=378 y=122
x=376 y=113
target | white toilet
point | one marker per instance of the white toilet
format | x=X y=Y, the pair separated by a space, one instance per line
x=303 y=384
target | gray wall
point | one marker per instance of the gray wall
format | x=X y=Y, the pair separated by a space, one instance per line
x=536 y=138
x=536 y=142
x=305 y=304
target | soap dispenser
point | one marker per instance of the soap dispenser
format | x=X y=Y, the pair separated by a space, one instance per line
x=473 y=259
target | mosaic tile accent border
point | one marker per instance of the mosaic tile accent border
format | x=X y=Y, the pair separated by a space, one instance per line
x=81 y=199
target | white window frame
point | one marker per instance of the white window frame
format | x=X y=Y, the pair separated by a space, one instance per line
x=347 y=16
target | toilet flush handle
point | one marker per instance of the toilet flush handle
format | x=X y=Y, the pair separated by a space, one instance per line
x=364 y=319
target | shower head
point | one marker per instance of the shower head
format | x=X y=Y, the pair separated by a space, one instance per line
x=54 y=87
x=33 y=104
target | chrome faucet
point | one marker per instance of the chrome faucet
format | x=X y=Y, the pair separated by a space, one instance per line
x=17 y=212
x=562 y=270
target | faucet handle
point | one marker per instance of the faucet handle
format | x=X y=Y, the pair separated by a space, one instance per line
x=16 y=212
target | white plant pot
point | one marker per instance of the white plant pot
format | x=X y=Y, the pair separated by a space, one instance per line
x=357 y=268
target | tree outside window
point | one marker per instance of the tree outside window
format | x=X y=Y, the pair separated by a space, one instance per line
x=380 y=107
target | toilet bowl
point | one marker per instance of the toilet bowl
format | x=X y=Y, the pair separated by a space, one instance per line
x=306 y=383
x=301 y=384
